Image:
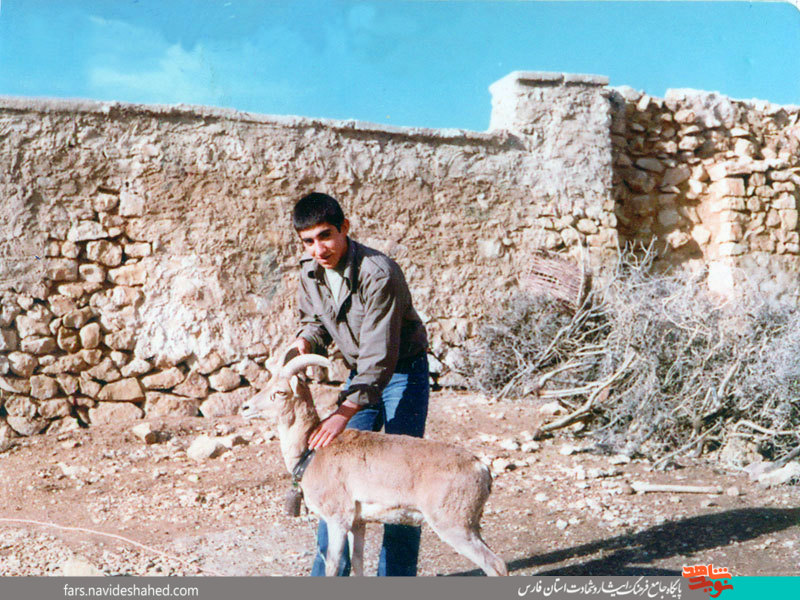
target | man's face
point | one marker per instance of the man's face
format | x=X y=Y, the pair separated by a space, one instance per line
x=325 y=244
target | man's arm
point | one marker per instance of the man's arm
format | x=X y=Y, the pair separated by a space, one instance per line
x=378 y=353
x=311 y=329
x=387 y=300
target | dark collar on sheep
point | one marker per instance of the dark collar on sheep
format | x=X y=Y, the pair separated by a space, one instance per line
x=300 y=467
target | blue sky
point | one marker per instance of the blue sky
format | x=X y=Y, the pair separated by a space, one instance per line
x=407 y=63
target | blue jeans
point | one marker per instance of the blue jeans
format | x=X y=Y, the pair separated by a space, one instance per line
x=403 y=409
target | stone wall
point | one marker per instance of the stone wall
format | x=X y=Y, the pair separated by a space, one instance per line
x=147 y=262
x=714 y=181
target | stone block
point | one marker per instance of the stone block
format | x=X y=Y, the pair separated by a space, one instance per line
x=650 y=164
x=92 y=356
x=55 y=408
x=158 y=404
x=30 y=326
x=743 y=147
x=8 y=313
x=755 y=204
x=222 y=404
x=138 y=366
x=785 y=201
x=67 y=383
x=83 y=231
x=639 y=181
x=26 y=426
x=669 y=218
x=144 y=431
x=194 y=386
x=68 y=340
x=14 y=385
x=163 y=380
x=131 y=204
x=587 y=226
x=204 y=447
x=61 y=305
x=685 y=116
x=727 y=204
x=70 y=250
x=105 y=371
x=104 y=202
x=677 y=239
x=125 y=390
x=8 y=340
x=90 y=335
x=120 y=359
x=210 y=363
x=788 y=219
x=254 y=374
x=104 y=252
x=89 y=387
x=71 y=363
x=676 y=175
x=92 y=272
x=138 y=249
x=61 y=269
x=133 y=274
x=690 y=143
x=112 y=223
x=114 y=412
x=76 y=319
x=38 y=345
x=730 y=186
x=77 y=291
x=762 y=243
x=773 y=218
x=123 y=340
x=225 y=379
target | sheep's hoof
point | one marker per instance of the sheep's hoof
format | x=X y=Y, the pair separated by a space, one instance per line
x=292 y=504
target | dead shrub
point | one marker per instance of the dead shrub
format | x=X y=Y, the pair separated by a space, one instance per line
x=651 y=363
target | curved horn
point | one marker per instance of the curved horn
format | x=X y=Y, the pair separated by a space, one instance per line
x=298 y=363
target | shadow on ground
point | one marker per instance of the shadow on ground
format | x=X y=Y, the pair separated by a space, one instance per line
x=633 y=554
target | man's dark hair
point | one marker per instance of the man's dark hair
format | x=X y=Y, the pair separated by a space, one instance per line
x=315 y=209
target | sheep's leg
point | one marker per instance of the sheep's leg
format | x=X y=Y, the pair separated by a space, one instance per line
x=357 y=547
x=337 y=535
x=469 y=543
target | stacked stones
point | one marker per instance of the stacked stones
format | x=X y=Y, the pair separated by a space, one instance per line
x=710 y=177
x=592 y=226
x=67 y=349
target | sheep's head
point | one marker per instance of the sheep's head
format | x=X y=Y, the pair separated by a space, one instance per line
x=285 y=386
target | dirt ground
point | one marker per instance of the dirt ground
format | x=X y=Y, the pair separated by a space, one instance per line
x=102 y=501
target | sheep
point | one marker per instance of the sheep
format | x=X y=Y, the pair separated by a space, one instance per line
x=365 y=477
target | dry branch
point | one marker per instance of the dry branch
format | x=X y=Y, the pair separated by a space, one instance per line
x=643 y=487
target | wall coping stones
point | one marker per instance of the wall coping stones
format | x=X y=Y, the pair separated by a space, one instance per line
x=211 y=113
x=550 y=78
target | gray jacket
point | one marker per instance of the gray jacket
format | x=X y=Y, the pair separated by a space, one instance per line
x=374 y=326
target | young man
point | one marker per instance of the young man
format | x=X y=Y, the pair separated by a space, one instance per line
x=359 y=299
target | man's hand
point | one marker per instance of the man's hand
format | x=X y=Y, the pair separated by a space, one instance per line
x=331 y=427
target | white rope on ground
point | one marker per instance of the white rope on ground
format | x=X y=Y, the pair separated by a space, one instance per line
x=111 y=535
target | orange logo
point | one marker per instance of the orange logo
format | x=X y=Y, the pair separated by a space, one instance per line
x=707 y=577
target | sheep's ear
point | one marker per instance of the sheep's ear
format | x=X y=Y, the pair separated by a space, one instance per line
x=294 y=383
